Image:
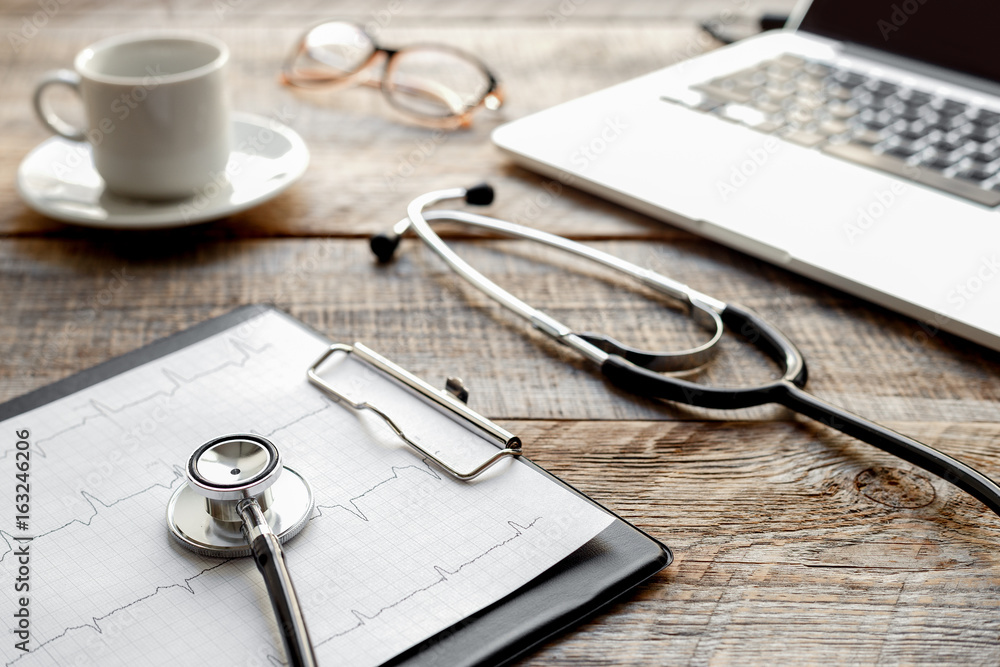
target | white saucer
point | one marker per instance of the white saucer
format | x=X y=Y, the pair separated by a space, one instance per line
x=58 y=180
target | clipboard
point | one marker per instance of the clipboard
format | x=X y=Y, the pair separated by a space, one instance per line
x=606 y=568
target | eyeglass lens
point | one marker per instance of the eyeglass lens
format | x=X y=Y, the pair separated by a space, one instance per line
x=340 y=48
x=435 y=81
x=432 y=81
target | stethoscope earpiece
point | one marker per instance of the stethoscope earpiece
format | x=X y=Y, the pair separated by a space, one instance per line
x=479 y=195
x=384 y=244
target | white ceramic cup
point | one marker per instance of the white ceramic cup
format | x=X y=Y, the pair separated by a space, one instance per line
x=156 y=108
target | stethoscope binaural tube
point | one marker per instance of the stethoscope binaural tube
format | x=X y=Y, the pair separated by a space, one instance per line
x=596 y=347
x=631 y=374
x=239 y=500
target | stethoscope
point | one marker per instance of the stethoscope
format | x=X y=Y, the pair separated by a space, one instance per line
x=239 y=500
x=641 y=372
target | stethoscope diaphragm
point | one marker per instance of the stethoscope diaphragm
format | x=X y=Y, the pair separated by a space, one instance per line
x=239 y=500
x=202 y=513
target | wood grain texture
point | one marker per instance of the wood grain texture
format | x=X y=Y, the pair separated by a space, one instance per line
x=794 y=544
x=780 y=557
x=367 y=161
x=262 y=11
x=67 y=310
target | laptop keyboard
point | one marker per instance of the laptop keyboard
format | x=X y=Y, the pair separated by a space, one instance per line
x=915 y=134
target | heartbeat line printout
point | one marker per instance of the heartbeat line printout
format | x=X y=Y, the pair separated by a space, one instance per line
x=394 y=552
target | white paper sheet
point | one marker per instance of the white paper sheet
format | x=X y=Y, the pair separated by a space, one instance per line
x=394 y=553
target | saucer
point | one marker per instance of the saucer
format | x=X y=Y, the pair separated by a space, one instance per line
x=58 y=179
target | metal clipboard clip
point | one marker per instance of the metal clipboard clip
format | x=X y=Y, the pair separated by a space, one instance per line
x=451 y=401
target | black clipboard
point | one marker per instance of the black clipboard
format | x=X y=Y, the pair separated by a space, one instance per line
x=598 y=573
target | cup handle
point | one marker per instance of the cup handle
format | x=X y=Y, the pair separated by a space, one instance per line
x=48 y=117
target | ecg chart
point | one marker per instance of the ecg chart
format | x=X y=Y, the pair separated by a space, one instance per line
x=395 y=551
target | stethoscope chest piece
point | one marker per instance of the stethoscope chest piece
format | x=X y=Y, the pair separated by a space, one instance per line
x=203 y=514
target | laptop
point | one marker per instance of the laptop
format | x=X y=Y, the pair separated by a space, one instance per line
x=859 y=146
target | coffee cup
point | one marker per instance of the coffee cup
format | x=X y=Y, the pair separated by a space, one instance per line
x=156 y=109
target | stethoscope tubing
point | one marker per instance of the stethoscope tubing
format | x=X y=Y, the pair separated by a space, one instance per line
x=270 y=560
x=233 y=500
x=788 y=391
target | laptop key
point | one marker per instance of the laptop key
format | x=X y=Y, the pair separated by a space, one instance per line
x=903 y=151
x=981 y=134
x=977 y=174
x=881 y=88
x=866 y=137
x=939 y=161
x=863 y=155
x=765 y=105
x=985 y=156
x=807 y=102
x=803 y=137
x=838 y=92
x=798 y=117
x=869 y=121
x=912 y=131
x=722 y=94
x=948 y=107
x=888 y=104
x=743 y=114
x=949 y=144
x=872 y=123
x=842 y=111
x=833 y=127
x=848 y=79
x=817 y=69
x=776 y=92
x=912 y=114
x=986 y=117
x=915 y=98
x=809 y=85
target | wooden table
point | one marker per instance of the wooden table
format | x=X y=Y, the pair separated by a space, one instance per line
x=793 y=543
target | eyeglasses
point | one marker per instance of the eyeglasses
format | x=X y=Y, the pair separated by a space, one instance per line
x=435 y=84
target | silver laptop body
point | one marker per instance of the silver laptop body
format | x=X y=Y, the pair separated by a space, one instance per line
x=860 y=151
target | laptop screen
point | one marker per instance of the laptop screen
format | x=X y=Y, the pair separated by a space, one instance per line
x=956 y=34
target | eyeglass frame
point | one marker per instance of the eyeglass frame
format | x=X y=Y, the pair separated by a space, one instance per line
x=492 y=98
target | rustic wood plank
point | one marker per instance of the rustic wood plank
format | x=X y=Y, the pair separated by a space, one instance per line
x=367 y=161
x=408 y=10
x=415 y=311
x=793 y=546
